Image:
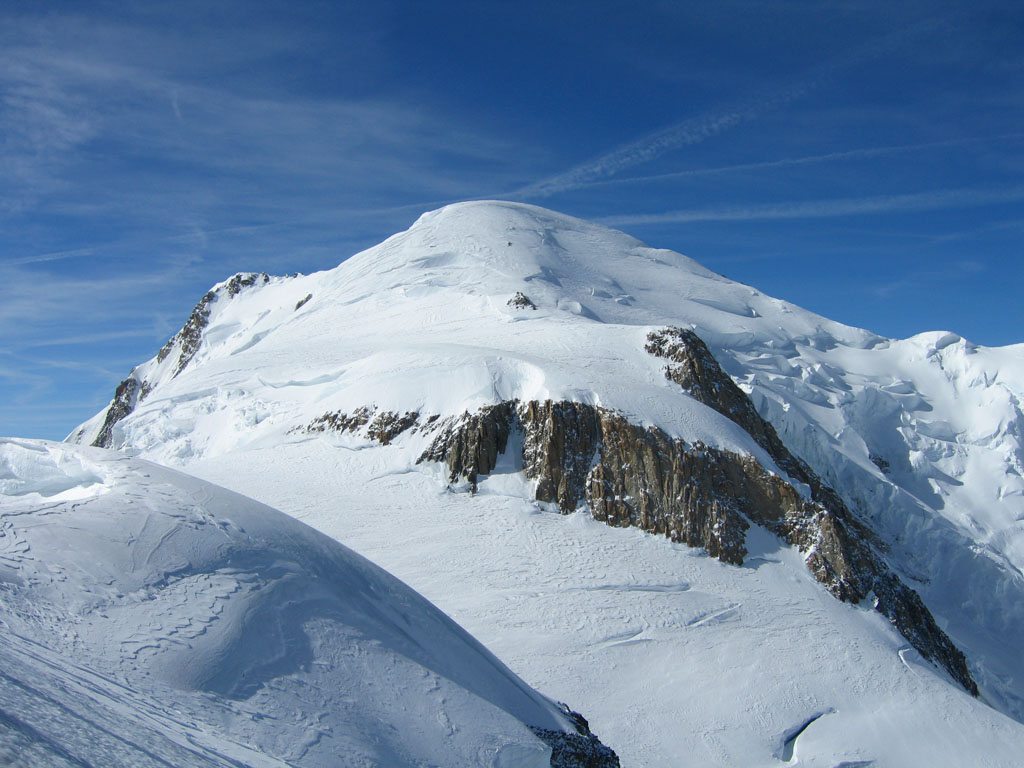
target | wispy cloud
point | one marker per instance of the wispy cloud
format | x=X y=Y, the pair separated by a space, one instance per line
x=90 y=131
x=816 y=209
x=88 y=339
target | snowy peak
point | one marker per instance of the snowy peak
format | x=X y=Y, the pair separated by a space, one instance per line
x=511 y=240
x=485 y=305
x=490 y=248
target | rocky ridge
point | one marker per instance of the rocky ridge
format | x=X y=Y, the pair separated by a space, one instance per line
x=382 y=426
x=189 y=338
x=521 y=301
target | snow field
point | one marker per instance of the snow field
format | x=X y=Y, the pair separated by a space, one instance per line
x=150 y=618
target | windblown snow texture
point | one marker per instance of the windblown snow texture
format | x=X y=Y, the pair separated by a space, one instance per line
x=150 y=618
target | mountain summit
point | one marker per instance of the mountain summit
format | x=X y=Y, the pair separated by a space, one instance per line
x=497 y=363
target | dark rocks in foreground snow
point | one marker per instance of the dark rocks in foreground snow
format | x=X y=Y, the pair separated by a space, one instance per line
x=521 y=301
x=573 y=750
x=576 y=750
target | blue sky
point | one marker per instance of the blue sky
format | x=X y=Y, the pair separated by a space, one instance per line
x=862 y=159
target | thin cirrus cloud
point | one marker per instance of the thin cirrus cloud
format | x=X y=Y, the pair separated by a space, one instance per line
x=817 y=209
x=953 y=272
x=75 y=116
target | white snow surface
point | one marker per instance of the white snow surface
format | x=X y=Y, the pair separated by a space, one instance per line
x=669 y=653
x=150 y=618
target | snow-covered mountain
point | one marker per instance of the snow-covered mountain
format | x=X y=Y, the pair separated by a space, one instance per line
x=551 y=365
x=151 y=619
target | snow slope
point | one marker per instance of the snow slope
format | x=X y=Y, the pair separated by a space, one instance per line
x=922 y=437
x=150 y=618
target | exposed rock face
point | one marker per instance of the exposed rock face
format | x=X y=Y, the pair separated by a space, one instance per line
x=521 y=301
x=628 y=475
x=191 y=335
x=126 y=397
x=646 y=479
x=242 y=280
x=387 y=425
x=303 y=301
x=559 y=444
x=694 y=368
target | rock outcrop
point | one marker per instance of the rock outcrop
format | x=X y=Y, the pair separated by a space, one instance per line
x=629 y=475
x=693 y=367
x=340 y=421
x=470 y=445
x=560 y=441
x=387 y=425
x=383 y=427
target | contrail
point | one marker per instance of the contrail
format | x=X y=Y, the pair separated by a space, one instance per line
x=818 y=209
x=804 y=160
x=688 y=132
x=700 y=128
x=53 y=256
